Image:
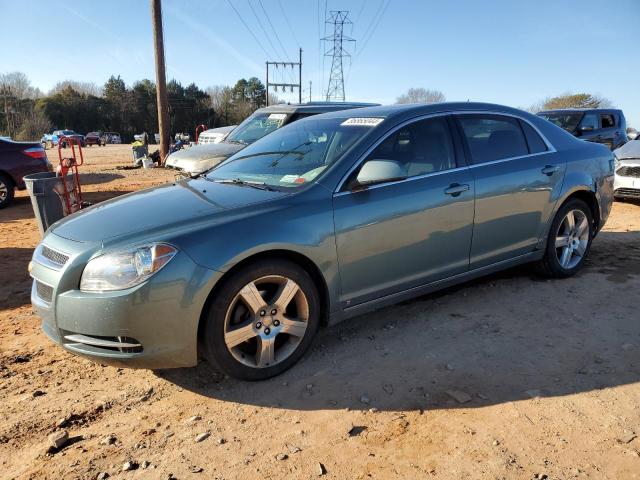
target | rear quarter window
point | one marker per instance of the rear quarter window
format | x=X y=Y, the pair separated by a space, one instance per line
x=534 y=140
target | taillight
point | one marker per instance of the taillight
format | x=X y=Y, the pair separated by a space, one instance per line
x=35 y=152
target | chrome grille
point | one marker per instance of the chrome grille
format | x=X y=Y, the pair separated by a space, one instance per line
x=53 y=256
x=45 y=292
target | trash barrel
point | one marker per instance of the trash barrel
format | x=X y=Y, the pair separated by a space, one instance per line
x=138 y=153
x=46 y=190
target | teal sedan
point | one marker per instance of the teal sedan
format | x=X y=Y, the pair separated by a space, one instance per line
x=322 y=220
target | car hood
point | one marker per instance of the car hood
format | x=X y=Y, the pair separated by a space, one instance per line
x=166 y=207
x=200 y=158
x=628 y=150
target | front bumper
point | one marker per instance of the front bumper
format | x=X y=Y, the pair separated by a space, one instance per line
x=153 y=325
x=627 y=185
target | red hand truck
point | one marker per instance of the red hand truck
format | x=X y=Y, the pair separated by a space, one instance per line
x=72 y=193
x=199 y=129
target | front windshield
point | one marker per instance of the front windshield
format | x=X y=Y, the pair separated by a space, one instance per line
x=68 y=132
x=292 y=156
x=568 y=121
x=255 y=127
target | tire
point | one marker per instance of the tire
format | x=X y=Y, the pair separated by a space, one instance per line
x=6 y=191
x=262 y=331
x=568 y=257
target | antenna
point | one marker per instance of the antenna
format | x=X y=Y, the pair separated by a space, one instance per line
x=337 y=18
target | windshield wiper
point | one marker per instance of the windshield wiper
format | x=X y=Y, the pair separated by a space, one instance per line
x=237 y=142
x=247 y=183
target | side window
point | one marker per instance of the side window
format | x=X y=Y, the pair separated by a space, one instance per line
x=589 y=121
x=422 y=147
x=298 y=116
x=607 y=121
x=535 y=142
x=493 y=137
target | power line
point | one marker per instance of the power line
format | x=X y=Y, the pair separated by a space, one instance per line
x=248 y=29
x=286 y=18
x=275 y=32
x=262 y=27
x=284 y=51
x=373 y=30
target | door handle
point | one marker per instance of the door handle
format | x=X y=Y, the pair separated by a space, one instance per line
x=550 y=169
x=456 y=189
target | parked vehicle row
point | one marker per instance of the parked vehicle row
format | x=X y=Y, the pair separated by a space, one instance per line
x=322 y=219
x=50 y=140
x=200 y=158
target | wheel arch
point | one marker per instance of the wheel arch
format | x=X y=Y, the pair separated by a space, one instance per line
x=9 y=177
x=588 y=196
x=296 y=257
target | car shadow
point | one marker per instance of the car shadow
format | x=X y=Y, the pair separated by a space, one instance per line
x=97 y=178
x=15 y=283
x=506 y=337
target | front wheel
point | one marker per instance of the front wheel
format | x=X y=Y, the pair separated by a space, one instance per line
x=262 y=320
x=569 y=240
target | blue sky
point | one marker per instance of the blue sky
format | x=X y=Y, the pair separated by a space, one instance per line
x=510 y=52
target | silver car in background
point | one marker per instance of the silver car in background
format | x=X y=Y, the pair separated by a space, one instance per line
x=200 y=158
x=215 y=135
x=627 y=164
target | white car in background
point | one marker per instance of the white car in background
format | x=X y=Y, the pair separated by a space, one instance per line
x=627 y=180
x=215 y=135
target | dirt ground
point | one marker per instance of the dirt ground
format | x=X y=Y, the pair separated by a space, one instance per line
x=508 y=377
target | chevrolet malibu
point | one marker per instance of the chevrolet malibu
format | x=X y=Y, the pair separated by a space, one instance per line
x=327 y=218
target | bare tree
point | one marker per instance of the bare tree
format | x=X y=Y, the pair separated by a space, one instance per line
x=421 y=95
x=87 y=88
x=17 y=85
x=33 y=125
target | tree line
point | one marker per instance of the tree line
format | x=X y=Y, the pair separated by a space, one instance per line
x=26 y=113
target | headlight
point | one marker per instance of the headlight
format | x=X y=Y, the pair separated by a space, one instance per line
x=121 y=270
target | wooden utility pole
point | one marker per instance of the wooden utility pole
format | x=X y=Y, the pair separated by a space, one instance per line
x=161 y=79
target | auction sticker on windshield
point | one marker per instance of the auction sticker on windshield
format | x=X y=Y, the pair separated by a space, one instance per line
x=277 y=116
x=363 y=121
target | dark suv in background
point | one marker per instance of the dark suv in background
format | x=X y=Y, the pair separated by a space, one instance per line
x=599 y=125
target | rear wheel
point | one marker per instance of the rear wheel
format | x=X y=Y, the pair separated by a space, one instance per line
x=6 y=191
x=262 y=320
x=569 y=240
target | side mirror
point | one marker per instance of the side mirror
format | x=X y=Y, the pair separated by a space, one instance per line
x=379 y=171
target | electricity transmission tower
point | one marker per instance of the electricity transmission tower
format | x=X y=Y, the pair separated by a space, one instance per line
x=337 y=51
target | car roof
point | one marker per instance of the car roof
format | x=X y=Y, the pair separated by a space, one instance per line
x=580 y=110
x=415 y=109
x=313 y=107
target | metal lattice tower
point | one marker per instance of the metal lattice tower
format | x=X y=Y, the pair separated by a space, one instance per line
x=337 y=51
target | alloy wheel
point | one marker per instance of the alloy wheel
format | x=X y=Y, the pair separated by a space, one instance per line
x=266 y=321
x=572 y=239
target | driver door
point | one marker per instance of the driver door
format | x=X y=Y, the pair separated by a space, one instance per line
x=401 y=234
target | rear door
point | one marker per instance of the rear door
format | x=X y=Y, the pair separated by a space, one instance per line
x=405 y=233
x=608 y=130
x=517 y=178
